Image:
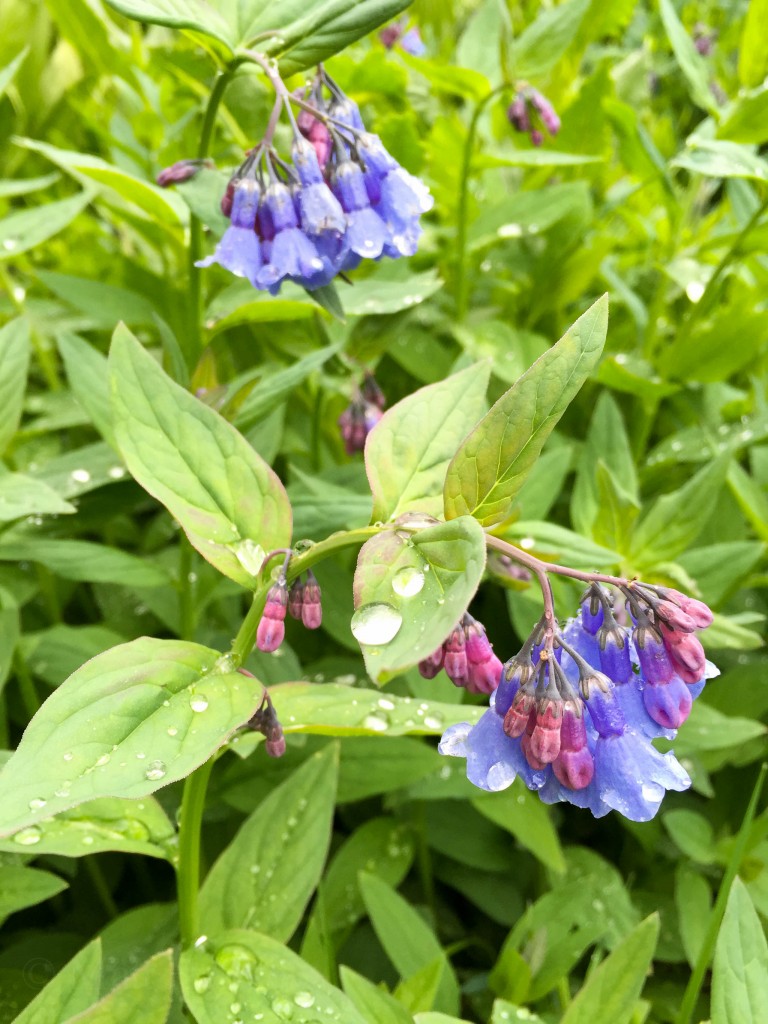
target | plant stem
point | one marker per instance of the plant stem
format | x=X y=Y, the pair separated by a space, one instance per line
x=188 y=868
x=193 y=344
x=693 y=988
x=246 y=635
x=462 y=290
x=539 y=567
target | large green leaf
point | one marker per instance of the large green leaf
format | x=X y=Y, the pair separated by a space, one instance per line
x=132 y=720
x=740 y=971
x=267 y=981
x=225 y=496
x=88 y=374
x=266 y=876
x=720 y=159
x=25 y=496
x=546 y=39
x=407 y=940
x=72 y=990
x=28 y=228
x=753 y=53
x=522 y=813
x=22 y=887
x=143 y=998
x=14 y=361
x=611 y=992
x=492 y=464
x=410 y=591
x=83 y=560
x=607 y=440
x=373 y=1001
x=408 y=451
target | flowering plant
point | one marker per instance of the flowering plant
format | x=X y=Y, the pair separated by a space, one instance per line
x=337 y=574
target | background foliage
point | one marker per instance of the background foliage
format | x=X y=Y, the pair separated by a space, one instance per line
x=362 y=849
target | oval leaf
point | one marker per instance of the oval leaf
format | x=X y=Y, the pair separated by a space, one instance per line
x=397 y=624
x=132 y=720
x=266 y=876
x=268 y=981
x=409 y=450
x=492 y=464
x=223 y=494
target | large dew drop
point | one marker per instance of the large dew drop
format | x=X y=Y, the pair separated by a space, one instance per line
x=155 y=771
x=376 y=624
x=198 y=702
x=249 y=554
x=408 y=582
x=28 y=836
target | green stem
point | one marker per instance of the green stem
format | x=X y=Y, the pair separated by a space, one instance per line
x=462 y=285
x=693 y=988
x=193 y=344
x=188 y=868
x=246 y=636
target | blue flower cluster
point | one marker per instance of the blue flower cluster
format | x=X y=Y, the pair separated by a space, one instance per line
x=578 y=724
x=343 y=199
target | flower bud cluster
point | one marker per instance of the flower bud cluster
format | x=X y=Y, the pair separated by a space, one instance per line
x=342 y=199
x=266 y=722
x=303 y=601
x=531 y=112
x=575 y=715
x=408 y=39
x=361 y=415
x=467 y=657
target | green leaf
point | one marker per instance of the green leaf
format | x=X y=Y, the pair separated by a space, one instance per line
x=190 y=14
x=134 y=937
x=492 y=464
x=268 y=980
x=521 y=813
x=88 y=375
x=675 y=520
x=411 y=591
x=225 y=497
x=266 y=876
x=562 y=544
x=740 y=970
x=693 y=900
x=23 y=186
x=82 y=560
x=373 y=765
x=332 y=709
x=22 y=887
x=607 y=441
x=611 y=991
x=421 y=989
x=72 y=990
x=709 y=729
x=128 y=826
x=132 y=720
x=143 y=998
x=692 y=833
x=454 y=81
x=407 y=940
x=27 y=228
x=720 y=159
x=506 y=1013
x=545 y=41
x=8 y=73
x=409 y=450
x=100 y=302
x=691 y=63
x=25 y=496
x=745 y=118
x=376 y=295
x=753 y=56
x=718 y=568
x=373 y=1002
x=14 y=362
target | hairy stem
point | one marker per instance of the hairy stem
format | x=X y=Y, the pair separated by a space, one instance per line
x=540 y=567
x=188 y=867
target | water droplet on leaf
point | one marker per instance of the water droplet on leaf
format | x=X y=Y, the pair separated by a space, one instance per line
x=376 y=623
x=202 y=984
x=28 y=836
x=37 y=804
x=198 y=702
x=408 y=581
x=155 y=771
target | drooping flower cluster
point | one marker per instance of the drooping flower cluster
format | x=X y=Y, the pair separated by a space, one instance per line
x=467 y=657
x=361 y=415
x=265 y=721
x=575 y=719
x=343 y=199
x=303 y=601
x=530 y=112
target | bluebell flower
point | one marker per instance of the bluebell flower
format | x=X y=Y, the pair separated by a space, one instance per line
x=581 y=730
x=239 y=250
x=291 y=254
x=366 y=233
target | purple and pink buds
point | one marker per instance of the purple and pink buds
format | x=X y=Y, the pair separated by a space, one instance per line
x=516 y=719
x=668 y=703
x=311 y=608
x=430 y=666
x=361 y=415
x=455 y=657
x=266 y=722
x=483 y=667
x=686 y=652
x=529 y=110
x=271 y=631
x=574 y=766
x=371 y=391
x=655 y=663
x=545 y=738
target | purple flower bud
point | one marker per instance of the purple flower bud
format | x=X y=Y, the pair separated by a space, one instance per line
x=412 y=43
x=517 y=114
x=311 y=608
x=390 y=34
x=668 y=704
x=685 y=650
x=430 y=667
x=604 y=710
x=521 y=709
x=371 y=391
x=296 y=599
x=275 y=747
x=546 y=112
x=455 y=658
x=674 y=616
x=700 y=613
x=614 y=654
x=591 y=613
x=537 y=137
x=483 y=667
x=182 y=170
x=228 y=197
x=655 y=663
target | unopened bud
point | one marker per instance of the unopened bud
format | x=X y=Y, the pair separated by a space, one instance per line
x=296 y=599
x=430 y=667
x=545 y=738
x=455 y=658
x=182 y=170
x=311 y=608
x=271 y=631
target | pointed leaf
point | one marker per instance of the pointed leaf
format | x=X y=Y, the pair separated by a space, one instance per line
x=22 y=887
x=408 y=452
x=492 y=464
x=692 y=64
x=27 y=228
x=14 y=362
x=740 y=971
x=373 y=1002
x=225 y=496
x=132 y=720
x=266 y=876
x=143 y=998
x=88 y=375
x=25 y=496
x=73 y=989
x=411 y=591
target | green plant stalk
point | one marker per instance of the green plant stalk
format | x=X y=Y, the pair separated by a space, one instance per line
x=188 y=867
x=462 y=284
x=706 y=952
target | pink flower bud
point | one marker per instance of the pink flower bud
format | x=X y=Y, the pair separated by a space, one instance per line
x=516 y=719
x=455 y=658
x=485 y=678
x=669 y=704
x=545 y=738
x=525 y=743
x=296 y=599
x=675 y=617
x=311 y=608
x=574 y=769
x=429 y=667
x=271 y=631
x=275 y=747
x=182 y=170
x=685 y=649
